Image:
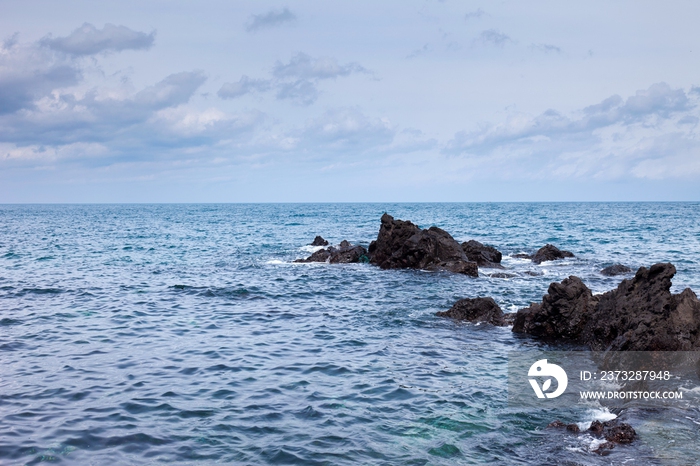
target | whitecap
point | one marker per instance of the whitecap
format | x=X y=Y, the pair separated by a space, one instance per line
x=311 y=249
x=601 y=414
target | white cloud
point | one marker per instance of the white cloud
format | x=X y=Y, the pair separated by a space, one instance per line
x=347 y=129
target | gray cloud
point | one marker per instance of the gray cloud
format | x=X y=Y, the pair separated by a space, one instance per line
x=650 y=134
x=546 y=48
x=28 y=73
x=493 y=37
x=302 y=92
x=296 y=80
x=478 y=13
x=270 y=19
x=305 y=72
x=244 y=86
x=88 y=40
x=659 y=101
x=302 y=66
x=66 y=119
x=418 y=52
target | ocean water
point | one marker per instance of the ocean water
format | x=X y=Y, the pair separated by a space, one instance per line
x=149 y=334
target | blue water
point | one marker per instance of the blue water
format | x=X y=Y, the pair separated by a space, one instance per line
x=147 y=334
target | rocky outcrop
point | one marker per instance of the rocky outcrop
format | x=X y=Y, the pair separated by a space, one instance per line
x=616 y=269
x=476 y=310
x=401 y=244
x=321 y=255
x=483 y=255
x=549 y=252
x=563 y=313
x=614 y=432
x=345 y=253
x=640 y=315
x=319 y=241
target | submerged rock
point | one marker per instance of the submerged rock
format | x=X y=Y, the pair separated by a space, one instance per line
x=319 y=241
x=617 y=269
x=401 y=244
x=549 y=252
x=640 y=315
x=345 y=253
x=483 y=255
x=476 y=310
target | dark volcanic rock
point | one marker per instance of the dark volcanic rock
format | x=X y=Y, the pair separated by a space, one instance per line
x=549 y=252
x=319 y=241
x=345 y=253
x=640 y=315
x=476 y=310
x=643 y=315
x=614 y=432
x=617 y=269
x=620 y=433
x=570 y=427
x=319 y=256
x=401 y=244
x=484 y=256
x=563 y=313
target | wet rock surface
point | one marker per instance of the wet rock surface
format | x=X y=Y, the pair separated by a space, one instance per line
x=476 y=310
x=617 y=269
x=549 y=252
x=345 y=253
x=319 y=241
x=483 y=255
x=563 y=313
x=614 y=432
x=640 y=315
x=401 y=244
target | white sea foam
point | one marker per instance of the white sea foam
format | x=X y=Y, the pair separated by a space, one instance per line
x=595 y=414
x=311 y=249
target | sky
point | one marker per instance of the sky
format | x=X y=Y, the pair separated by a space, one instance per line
x=363 y=101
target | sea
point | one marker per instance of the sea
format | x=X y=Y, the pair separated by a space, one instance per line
x=186 y=334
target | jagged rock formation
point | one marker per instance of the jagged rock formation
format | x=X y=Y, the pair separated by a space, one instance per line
x=640 y=315
x=319 y=241
x=483 y=255
x=401 y=244
x=345 y=253
x=549 y=252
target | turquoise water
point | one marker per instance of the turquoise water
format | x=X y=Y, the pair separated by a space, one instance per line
x=146 y=334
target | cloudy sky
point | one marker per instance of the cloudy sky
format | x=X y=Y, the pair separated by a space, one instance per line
x=411 y=100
